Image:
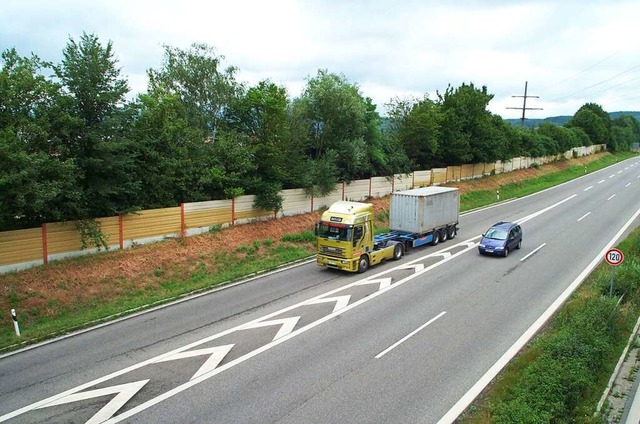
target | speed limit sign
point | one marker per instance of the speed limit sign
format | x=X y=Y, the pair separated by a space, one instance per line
x=614 y=257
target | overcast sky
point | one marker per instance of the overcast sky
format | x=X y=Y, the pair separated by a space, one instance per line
x=571 y=52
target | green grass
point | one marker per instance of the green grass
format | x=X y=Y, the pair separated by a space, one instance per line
x=230 y=266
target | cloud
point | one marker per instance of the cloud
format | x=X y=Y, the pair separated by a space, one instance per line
x=390 y=49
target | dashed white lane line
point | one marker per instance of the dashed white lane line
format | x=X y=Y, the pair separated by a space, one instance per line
x=601 y=181
x=588 y=188
x=611 y=197
x=533 y=252
x=584 y=216
x=408 y=336
x=628 y=184
x=612 y=175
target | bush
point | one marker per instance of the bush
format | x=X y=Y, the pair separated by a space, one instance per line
x=304 y=237
x=551 y=388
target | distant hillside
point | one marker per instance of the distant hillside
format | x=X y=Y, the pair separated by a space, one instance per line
x=561 y=120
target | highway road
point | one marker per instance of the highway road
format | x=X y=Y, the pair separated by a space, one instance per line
x=409 y=341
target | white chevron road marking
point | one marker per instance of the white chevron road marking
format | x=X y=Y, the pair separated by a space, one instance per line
x=124 y=393
x=216 y=355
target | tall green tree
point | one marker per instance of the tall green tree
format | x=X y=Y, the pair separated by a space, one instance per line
x=97 y=139
x=417 y=125
x=201 y=82
x=467 y=133
x=169 y=153
x=37 y=185
x=625 y=130
x=563 y=136
x=337 y=119
x=594 y=121
x=261 y=115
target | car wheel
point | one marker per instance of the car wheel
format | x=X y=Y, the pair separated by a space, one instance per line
x=452 y=232
x=519 y=244
x=506 y=252
x=443 y=235
x=436 y=238
x=397 y=251
x=363 y=264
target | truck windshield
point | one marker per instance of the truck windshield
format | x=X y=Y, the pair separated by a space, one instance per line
x=332 y=231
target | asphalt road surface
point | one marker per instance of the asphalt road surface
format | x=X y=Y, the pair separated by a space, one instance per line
x=409 y=341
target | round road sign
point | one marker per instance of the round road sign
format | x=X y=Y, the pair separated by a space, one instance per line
x=614 y=257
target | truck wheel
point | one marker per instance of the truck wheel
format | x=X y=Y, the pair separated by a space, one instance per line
x=443 y=235
x=397 y=251
x=363 y=264
x=436 y=238
x=452 y=232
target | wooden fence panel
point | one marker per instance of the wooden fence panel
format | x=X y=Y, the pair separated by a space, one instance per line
x=422 y=178
x=357 y=190
x=402 y=182
x=150 y=223
x=380 y=186
x=244 y=211
x=329 y=199
x=20 y=246
x=295 y=201
x=466 y=172
x=439 y=176
x=207 y=214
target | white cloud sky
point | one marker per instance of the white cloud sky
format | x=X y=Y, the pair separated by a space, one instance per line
x=571 y=52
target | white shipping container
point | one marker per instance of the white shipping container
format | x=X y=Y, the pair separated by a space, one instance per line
x=424 y=209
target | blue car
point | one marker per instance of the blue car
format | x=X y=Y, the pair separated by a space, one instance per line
x=501 y=239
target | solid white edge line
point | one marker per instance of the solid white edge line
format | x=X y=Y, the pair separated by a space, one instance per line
x=477 y=388
x=533 y=252
x=584 y=216
x=413 y=333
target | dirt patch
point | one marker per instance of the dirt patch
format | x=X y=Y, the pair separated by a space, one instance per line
x=104 y=276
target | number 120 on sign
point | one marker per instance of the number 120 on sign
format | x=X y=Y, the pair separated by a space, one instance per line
x=614 y=257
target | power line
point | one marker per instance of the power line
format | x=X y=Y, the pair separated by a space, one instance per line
x=597 y=84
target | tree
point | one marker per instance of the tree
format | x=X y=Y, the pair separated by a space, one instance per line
x=469 y=133
x=97 y=139
x=195 y=75
x=594 y=121
x=169 y=152
x=261 y=115
x=36 y=184
x=625 y=131
x=563 y=136
x=416 y=124
x=336 y=121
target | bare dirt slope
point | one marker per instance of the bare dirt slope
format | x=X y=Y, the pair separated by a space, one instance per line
x=106 y=275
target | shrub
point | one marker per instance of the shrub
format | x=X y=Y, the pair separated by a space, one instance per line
x=304 y=237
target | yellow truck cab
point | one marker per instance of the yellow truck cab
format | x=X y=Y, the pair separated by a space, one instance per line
x=345 y=238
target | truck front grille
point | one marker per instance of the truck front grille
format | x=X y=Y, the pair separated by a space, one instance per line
x=336 y=252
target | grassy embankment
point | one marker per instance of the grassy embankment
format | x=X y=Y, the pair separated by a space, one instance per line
x=54 y=318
